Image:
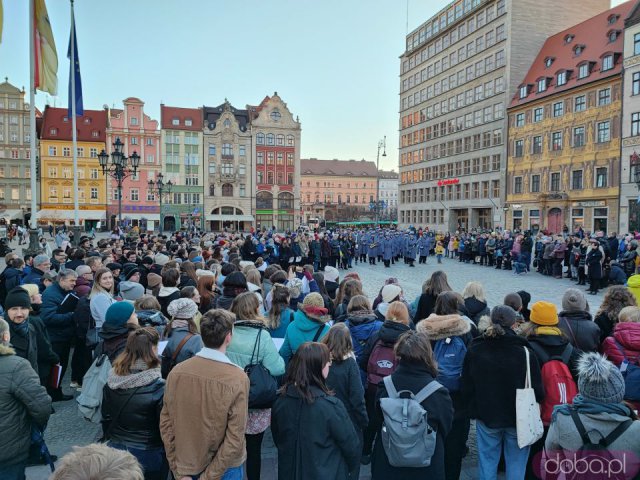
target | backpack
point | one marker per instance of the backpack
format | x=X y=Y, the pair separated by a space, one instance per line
x=407 y=438
x=631 y=373
x=559 y=385
x=449 y=353
x=382 y=363
x=90 y=400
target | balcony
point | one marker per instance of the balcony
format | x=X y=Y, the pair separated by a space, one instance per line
x=227 y=177
x=227 y=156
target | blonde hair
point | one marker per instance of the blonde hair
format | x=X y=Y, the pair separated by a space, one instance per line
x=338 y=341
x=253 y=276
x=629 y=314
x=398 y=312
x=98 y=461
x=474 y=289
x=358 y=303
x=245 y=307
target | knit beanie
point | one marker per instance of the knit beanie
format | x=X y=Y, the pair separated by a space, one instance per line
x=235 y=280
x=17 y=297
x=118 y=314
x=599 y=380
x=331 y=274
x=131 y=290
x=153 y=280
x=390 y=292
x=114 y=266
x=129 y=269
x=544 y=313
x=574 y=301
x=504 y=316
x=184 y=308
x=161 y=259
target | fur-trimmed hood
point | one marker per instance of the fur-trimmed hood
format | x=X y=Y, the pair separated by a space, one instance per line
x=484 y=323
x=438 y=327
x=6 y=350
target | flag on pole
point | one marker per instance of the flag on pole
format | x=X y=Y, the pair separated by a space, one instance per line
x=1 y=21
x=46 y=72
x=74 y=70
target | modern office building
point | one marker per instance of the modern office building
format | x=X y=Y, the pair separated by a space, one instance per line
x=388 y=185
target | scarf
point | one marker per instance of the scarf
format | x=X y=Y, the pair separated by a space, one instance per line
x=179 y=323
x=22 y=328
x=591 y=407
x=140 y=376
x=548 y=331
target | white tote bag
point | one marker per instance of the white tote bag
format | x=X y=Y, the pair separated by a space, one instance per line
x=528 y=422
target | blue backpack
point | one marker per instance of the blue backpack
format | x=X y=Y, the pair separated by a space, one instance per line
x=449 y=353
x=631 y=373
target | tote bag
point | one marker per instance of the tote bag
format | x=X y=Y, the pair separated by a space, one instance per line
x=528 y=422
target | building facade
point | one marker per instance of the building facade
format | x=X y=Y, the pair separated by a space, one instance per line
x=337 y=190
x=56 y=168
x=629 y=189
x=458 y=75
x=276 y=152
x=15 y=155
x=183 y=165
x=227 y=141
x=388 y=185
x=564 y=131
x=141 y=134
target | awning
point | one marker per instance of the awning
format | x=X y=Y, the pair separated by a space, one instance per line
x=230 y=218
x=12 y=214
x=58 y=214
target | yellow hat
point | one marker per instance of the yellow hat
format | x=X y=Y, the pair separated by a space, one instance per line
x=544 y=313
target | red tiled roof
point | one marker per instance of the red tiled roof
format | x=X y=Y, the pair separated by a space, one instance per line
x=91 y=121
x=167 y=114
x=593 y=37
x=356 y=168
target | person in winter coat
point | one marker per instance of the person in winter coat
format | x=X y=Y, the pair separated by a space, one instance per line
x=475 y=303
x=41 y=264
x=251 y=344
x=132 y=402
x=433 y=287
x=442 y=327
x=599 y=409
x=280 y=315
x=633 y=284
x=11 y=277
x=309 y=325
x=120 y=321
x=617 y=275
x=347 y=290
x=616 y=298
x=101 y=296
x=344 y=380
x=594 y=260
x=327 y=447
x=169 y=290
x=416 y=369
x=331 y=278
x=362 y=324
x=184 y=340
x=624 y=342
x=232 y=286
x=628 y=260
x=494 y=368
x=24 y=404
x=576 y=322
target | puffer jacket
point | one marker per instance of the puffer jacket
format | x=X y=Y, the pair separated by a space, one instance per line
x=627 y=335
x=245 y=335
x=476 y=309
x=302 y=329
x=23 y=402
x=139 y=405
x=580 y=329
x=362 y=328
x=60 y=326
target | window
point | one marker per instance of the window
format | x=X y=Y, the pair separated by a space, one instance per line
x=601 y=177
x=517 y=185
x=635 y=124
x=556 y=141
x=536 y=144
x=150 y=142
x=535 y=183
x=524 y=91
x=636 y=83
x=242 y=169
x=226 y=169
x=53 y=172
x=133 y=121
x=558 y=109
x=561 y=79
x=243 y=190
x=15 y=172
x=583 y=70
x=188 y=122
x=242 y=150
x=604 y=96
x=227 y=150
x=134 y=195
x=538 y=114
x=93 y=152
x=94 y=193
x=576 y=180
x=66 y=152
x=280 y=140
x=93 y=174
x=578 y=137
x=580 y=103
x=260 y=139
x=260 y=158
x=212 y=149
x=175 y=121
x=520 y=120
x=270 y=158
x=290 y=141
x=604 y=132
x=542 y=85
x=134 y=140
x=519 y=149
x=53 y=131
x=227 y=190
x=280 y=158
x=555 y=182
x=212 y=168
x=607 y=63
x=636 y=44
x=271 y=139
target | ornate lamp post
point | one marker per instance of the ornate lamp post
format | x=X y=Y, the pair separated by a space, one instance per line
x=160 y=188
x=119 y=168
x=382 y=144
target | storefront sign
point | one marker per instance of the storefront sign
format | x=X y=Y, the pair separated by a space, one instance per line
x=451 y=181
x=591 y=203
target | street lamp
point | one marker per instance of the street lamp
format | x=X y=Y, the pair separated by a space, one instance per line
x=119 y=168
x=160 y=188
x=382 y=144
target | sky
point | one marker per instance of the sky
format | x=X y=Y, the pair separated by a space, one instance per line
x=334 y=62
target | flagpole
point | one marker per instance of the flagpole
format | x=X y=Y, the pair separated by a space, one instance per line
x=72 y=72
x=33 y=233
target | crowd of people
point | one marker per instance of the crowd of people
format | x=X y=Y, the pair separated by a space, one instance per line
x=188 y=348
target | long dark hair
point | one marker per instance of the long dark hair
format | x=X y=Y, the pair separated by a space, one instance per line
x=305 y=370
x=319 y=278
x=415 y=348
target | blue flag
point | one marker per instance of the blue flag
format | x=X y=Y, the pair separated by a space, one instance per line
x=74 y=72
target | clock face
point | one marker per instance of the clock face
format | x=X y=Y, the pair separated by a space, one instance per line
x=275 y=115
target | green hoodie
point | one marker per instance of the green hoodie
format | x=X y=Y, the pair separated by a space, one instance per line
x=302 y=329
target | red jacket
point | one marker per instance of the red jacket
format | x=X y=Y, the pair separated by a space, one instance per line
x=627 y=334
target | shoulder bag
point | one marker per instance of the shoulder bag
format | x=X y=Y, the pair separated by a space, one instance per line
x=528 y=421
x=262 y=386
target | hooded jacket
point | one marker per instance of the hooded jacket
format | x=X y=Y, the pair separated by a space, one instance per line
x=302 y=329
x=11 y=278
x=166 y=295
x=388 y=334
x=580 y=329
x=60 y=326
x=476 y=308
x=362 y=328
x=245 y=336
x=554 y=346
x=114 y=339
x=188 y=350
x=633 y=284
x=439 y=327
x=23 y=402
x=627 y=336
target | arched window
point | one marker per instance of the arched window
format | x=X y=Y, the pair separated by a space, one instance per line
x=270 y=139
x=264 y=200
x=226 y=210
x=212 y=190
x=285 y=201
x=260 y=139
x=280 y=140
x=227 y=190
x=227 y=122
x=290 y=141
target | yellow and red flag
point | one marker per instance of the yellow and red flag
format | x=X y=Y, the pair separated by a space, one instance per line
x=46 y=73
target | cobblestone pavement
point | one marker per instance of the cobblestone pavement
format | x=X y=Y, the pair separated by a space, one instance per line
x=67 y=429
